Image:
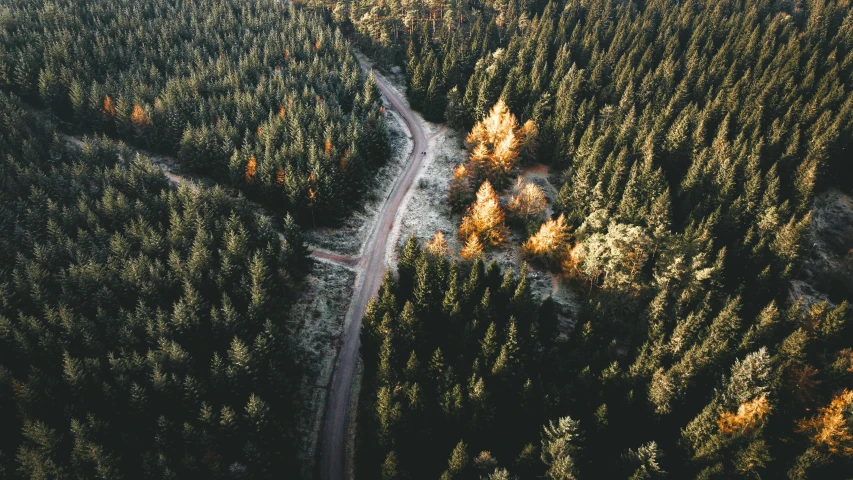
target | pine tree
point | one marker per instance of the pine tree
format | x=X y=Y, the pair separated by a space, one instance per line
x=458 y=463
x=559 y=446
x=645 y=462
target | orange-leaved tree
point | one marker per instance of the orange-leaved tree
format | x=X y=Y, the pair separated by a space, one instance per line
x=438 y=245
x=550 y=243
x=832 y=428
x=251 y=169
x=139 y=120
x=485 y=218
x=495 y=144
x=472 y=248
x=746 y=418
x=109 y=107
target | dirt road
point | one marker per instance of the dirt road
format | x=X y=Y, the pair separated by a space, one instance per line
x=372 y=269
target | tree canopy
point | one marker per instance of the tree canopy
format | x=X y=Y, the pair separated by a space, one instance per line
x=141 y=326
x=260 y=94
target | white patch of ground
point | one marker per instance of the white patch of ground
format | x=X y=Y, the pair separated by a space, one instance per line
x=426 y=212
x=350 y=236
x=316 y=322
x=827 y=272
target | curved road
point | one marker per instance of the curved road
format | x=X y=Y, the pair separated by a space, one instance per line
x=372 y=269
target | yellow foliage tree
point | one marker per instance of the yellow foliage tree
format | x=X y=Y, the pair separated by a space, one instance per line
x=139 y=120
x=572 y=260
x=472 y=248
x=747 y=417
x=495 y=144
x=138 y=117
x=529 y=201
x=549 y=244
x=251 y=169
x=831 y=428
x=485 y=218
x=438 y=245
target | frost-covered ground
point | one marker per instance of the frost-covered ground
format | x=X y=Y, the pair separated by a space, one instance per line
x=316 y=324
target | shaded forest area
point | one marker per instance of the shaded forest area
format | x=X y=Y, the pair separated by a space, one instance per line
x=690 y=140
x=259 y=95
x=141 y=326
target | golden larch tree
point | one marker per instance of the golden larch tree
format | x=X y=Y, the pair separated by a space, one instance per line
x=251 y=169
x=831 y=429
x=138 y=117
x=529 y=201
x=572 y=259
x=472 y=248
x=495 y=144
x=438 y=245
x=139 y=120
x=747 y=417
x=485 y=218
x=550 y=242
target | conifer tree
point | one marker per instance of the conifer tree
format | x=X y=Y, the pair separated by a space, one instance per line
x=485 y=218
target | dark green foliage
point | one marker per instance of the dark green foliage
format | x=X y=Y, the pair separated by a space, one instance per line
x=446 y=358
x=691 y=138
x=214 y=83
x=141 y=327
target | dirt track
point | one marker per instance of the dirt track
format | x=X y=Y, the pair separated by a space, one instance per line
x=372 y=269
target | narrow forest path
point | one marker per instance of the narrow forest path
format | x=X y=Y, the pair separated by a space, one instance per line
x=370 y=273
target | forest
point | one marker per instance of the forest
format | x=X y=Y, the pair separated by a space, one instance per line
x=257 y=95
x=141 y=326
x=689 y=141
